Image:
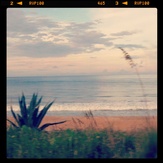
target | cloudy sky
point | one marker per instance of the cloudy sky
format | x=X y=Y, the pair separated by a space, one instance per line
x=69 y=41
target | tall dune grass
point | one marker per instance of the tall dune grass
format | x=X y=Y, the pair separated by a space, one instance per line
x=133 y=65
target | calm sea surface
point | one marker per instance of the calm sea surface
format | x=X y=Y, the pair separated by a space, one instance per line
x=104 y=95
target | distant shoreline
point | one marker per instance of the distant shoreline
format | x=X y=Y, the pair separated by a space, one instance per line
x=76 y=75
x=138 y=112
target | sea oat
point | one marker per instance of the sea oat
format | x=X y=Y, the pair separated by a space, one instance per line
x=133 y=65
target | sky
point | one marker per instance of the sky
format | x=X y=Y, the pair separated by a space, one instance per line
x=80 y=41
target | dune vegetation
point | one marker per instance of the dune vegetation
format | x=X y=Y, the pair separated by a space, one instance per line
x=27 y=139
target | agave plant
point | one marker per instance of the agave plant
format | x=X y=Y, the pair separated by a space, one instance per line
x=31 y=116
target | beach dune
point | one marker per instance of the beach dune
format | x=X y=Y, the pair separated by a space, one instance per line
x=122 y=123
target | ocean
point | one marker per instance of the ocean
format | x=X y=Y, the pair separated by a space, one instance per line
x=104 y=95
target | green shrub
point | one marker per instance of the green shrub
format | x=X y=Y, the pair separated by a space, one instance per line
x=150 y=145
x=26 y=142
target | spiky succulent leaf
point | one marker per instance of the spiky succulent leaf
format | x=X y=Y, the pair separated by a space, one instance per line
x=14 y=115
x=12 y=123
x=32 y=104
x=23 y=108
x=34 y=117
x=21 y=121
x=42 y=113
x=39 y=101
x=31 y=109
x=49 y=124
x=35 y=113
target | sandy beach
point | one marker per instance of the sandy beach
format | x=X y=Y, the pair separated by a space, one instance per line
x=122 y=123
